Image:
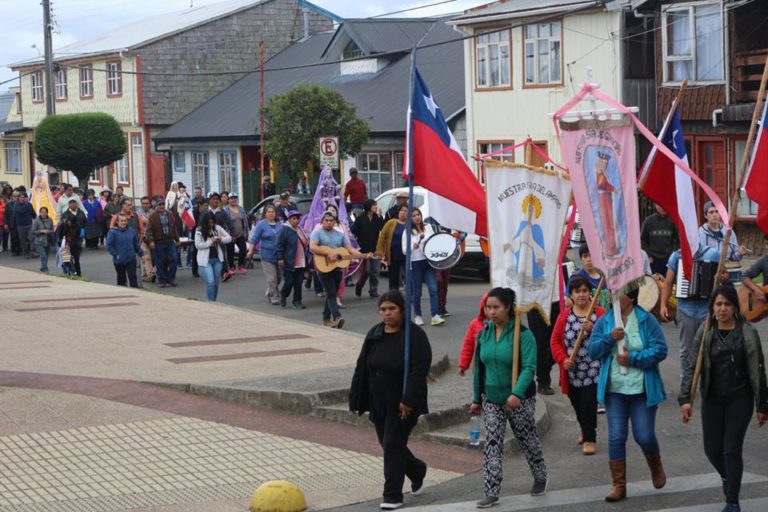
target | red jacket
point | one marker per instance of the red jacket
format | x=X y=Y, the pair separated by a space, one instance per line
x=474 y=327
x=557 y=345
x=2 y=213
x=356 y=191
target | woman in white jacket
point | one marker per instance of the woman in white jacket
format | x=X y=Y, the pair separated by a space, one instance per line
x=421 y=272
x=209 y=239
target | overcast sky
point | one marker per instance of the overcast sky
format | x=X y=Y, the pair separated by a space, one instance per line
x=21 y=20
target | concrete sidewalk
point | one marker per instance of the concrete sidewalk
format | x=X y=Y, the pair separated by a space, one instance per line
x=71 y=327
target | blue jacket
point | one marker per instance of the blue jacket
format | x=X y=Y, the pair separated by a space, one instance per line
x=23 y=214
x=286 y=246
x=123 y=245
x=654 y=351
x=265 y=235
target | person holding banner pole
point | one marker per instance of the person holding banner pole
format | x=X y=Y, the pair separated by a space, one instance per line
x=499 y=401
x=630 y=386
x=733 y=383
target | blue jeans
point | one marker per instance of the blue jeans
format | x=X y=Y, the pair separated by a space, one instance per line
x=331 y=282
x=422 y=273
x=620 y=409
x=211 y=275
x=42 y=251
x=166 y=262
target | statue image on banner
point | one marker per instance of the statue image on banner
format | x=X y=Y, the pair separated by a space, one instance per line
x=528 y=245
x=605 y=193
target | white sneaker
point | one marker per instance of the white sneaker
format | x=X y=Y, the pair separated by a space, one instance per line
x=438 y=320
x=390 y=506
x=418 y=320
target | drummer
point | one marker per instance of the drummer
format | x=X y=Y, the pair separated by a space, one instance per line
x=691 y=312
x=758 y=268
x=444 y=275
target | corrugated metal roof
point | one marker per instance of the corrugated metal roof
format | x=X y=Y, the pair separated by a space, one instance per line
x=517 y=9
x=142 y=32
x=380 y=98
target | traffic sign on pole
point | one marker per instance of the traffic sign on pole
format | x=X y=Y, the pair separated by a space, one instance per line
x=329 y=152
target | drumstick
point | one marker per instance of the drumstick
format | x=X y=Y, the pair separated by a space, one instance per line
x=580 y=338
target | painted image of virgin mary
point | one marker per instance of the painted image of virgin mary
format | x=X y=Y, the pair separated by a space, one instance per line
x=606 y=198
x=528 y=245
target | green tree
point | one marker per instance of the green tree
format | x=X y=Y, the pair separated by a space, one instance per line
x=79 y=143
x=295 y=120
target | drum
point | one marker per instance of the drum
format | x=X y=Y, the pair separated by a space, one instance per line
x=649 y=295
x=442 y=251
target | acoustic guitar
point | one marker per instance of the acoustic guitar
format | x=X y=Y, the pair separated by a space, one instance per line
x=339 y=258
x=751 y=309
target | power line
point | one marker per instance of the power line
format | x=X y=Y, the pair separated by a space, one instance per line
x=412 y=9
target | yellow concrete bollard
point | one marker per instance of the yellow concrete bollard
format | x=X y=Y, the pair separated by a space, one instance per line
x=278 y=496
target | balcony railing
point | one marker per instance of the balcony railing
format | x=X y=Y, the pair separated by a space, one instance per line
x=749 y=71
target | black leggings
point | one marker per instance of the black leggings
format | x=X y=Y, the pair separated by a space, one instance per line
x=240 y=243
x=395 y=266
x=584 y=402
x=724 y=424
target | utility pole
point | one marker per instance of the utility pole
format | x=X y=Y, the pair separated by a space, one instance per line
x=50 y=107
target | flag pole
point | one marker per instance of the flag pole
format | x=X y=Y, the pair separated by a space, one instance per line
x=676 y=103
x=732 y=208
x=408 y=230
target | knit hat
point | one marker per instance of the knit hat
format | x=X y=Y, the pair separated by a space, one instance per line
x=708 y=206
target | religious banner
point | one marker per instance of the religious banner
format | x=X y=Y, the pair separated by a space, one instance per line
x=527 y=207
x=600 y=155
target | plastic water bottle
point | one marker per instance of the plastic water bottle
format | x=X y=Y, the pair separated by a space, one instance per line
x=474 y=432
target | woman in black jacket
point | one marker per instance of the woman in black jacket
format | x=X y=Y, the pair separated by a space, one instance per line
x=733 y=384
x=377 y=387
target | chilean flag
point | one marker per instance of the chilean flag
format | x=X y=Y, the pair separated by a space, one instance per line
x=185 y=212
x=456 y=198
x=757 y=180
x=671 y=188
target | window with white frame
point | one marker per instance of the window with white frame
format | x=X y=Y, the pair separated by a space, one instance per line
x=200 y=169
x=375 y=170
x=36 y=79
x=692 y=40
x=136 y=140
x=485 y=148
x=114 y=79
x=13 y=156
x=86 y=81
x=95 y=176
x=60 y=84
x=228 y=171
x=543 y=53
x=493 y=59
x=179 y=162
x=122 y=169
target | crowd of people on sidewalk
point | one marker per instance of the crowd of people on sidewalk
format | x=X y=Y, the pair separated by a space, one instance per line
x=602 y=367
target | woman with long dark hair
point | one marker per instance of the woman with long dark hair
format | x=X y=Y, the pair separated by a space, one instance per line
x=377 y=387
x=209 y=241
x=499 y=402
x=733 y=383
x=630 y=386
x=421 y=272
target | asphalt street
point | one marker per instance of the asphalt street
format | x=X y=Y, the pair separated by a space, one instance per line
x=681 y=444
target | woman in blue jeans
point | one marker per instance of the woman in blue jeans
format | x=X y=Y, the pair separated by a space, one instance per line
x=630 y=386
x=421 y=272
x=209 y=239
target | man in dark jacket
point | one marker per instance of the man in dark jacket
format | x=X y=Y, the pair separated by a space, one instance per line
x=70 y=226
x=291 y=252
x=10 y=214
x=366 y=229
x=23 y=216
x=123 y=245
x=659 y=237
x=162 y=238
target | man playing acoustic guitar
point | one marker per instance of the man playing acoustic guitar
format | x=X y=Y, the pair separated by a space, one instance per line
x=323 y=244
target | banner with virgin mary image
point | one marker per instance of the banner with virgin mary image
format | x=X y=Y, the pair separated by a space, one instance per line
x=527 y=207
x=600 y=155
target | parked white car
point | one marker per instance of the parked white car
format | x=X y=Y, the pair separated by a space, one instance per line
x=473 y=255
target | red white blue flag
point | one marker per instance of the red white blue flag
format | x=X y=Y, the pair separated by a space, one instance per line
x=667 y=185
x=757 y=180
x=456 y=198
